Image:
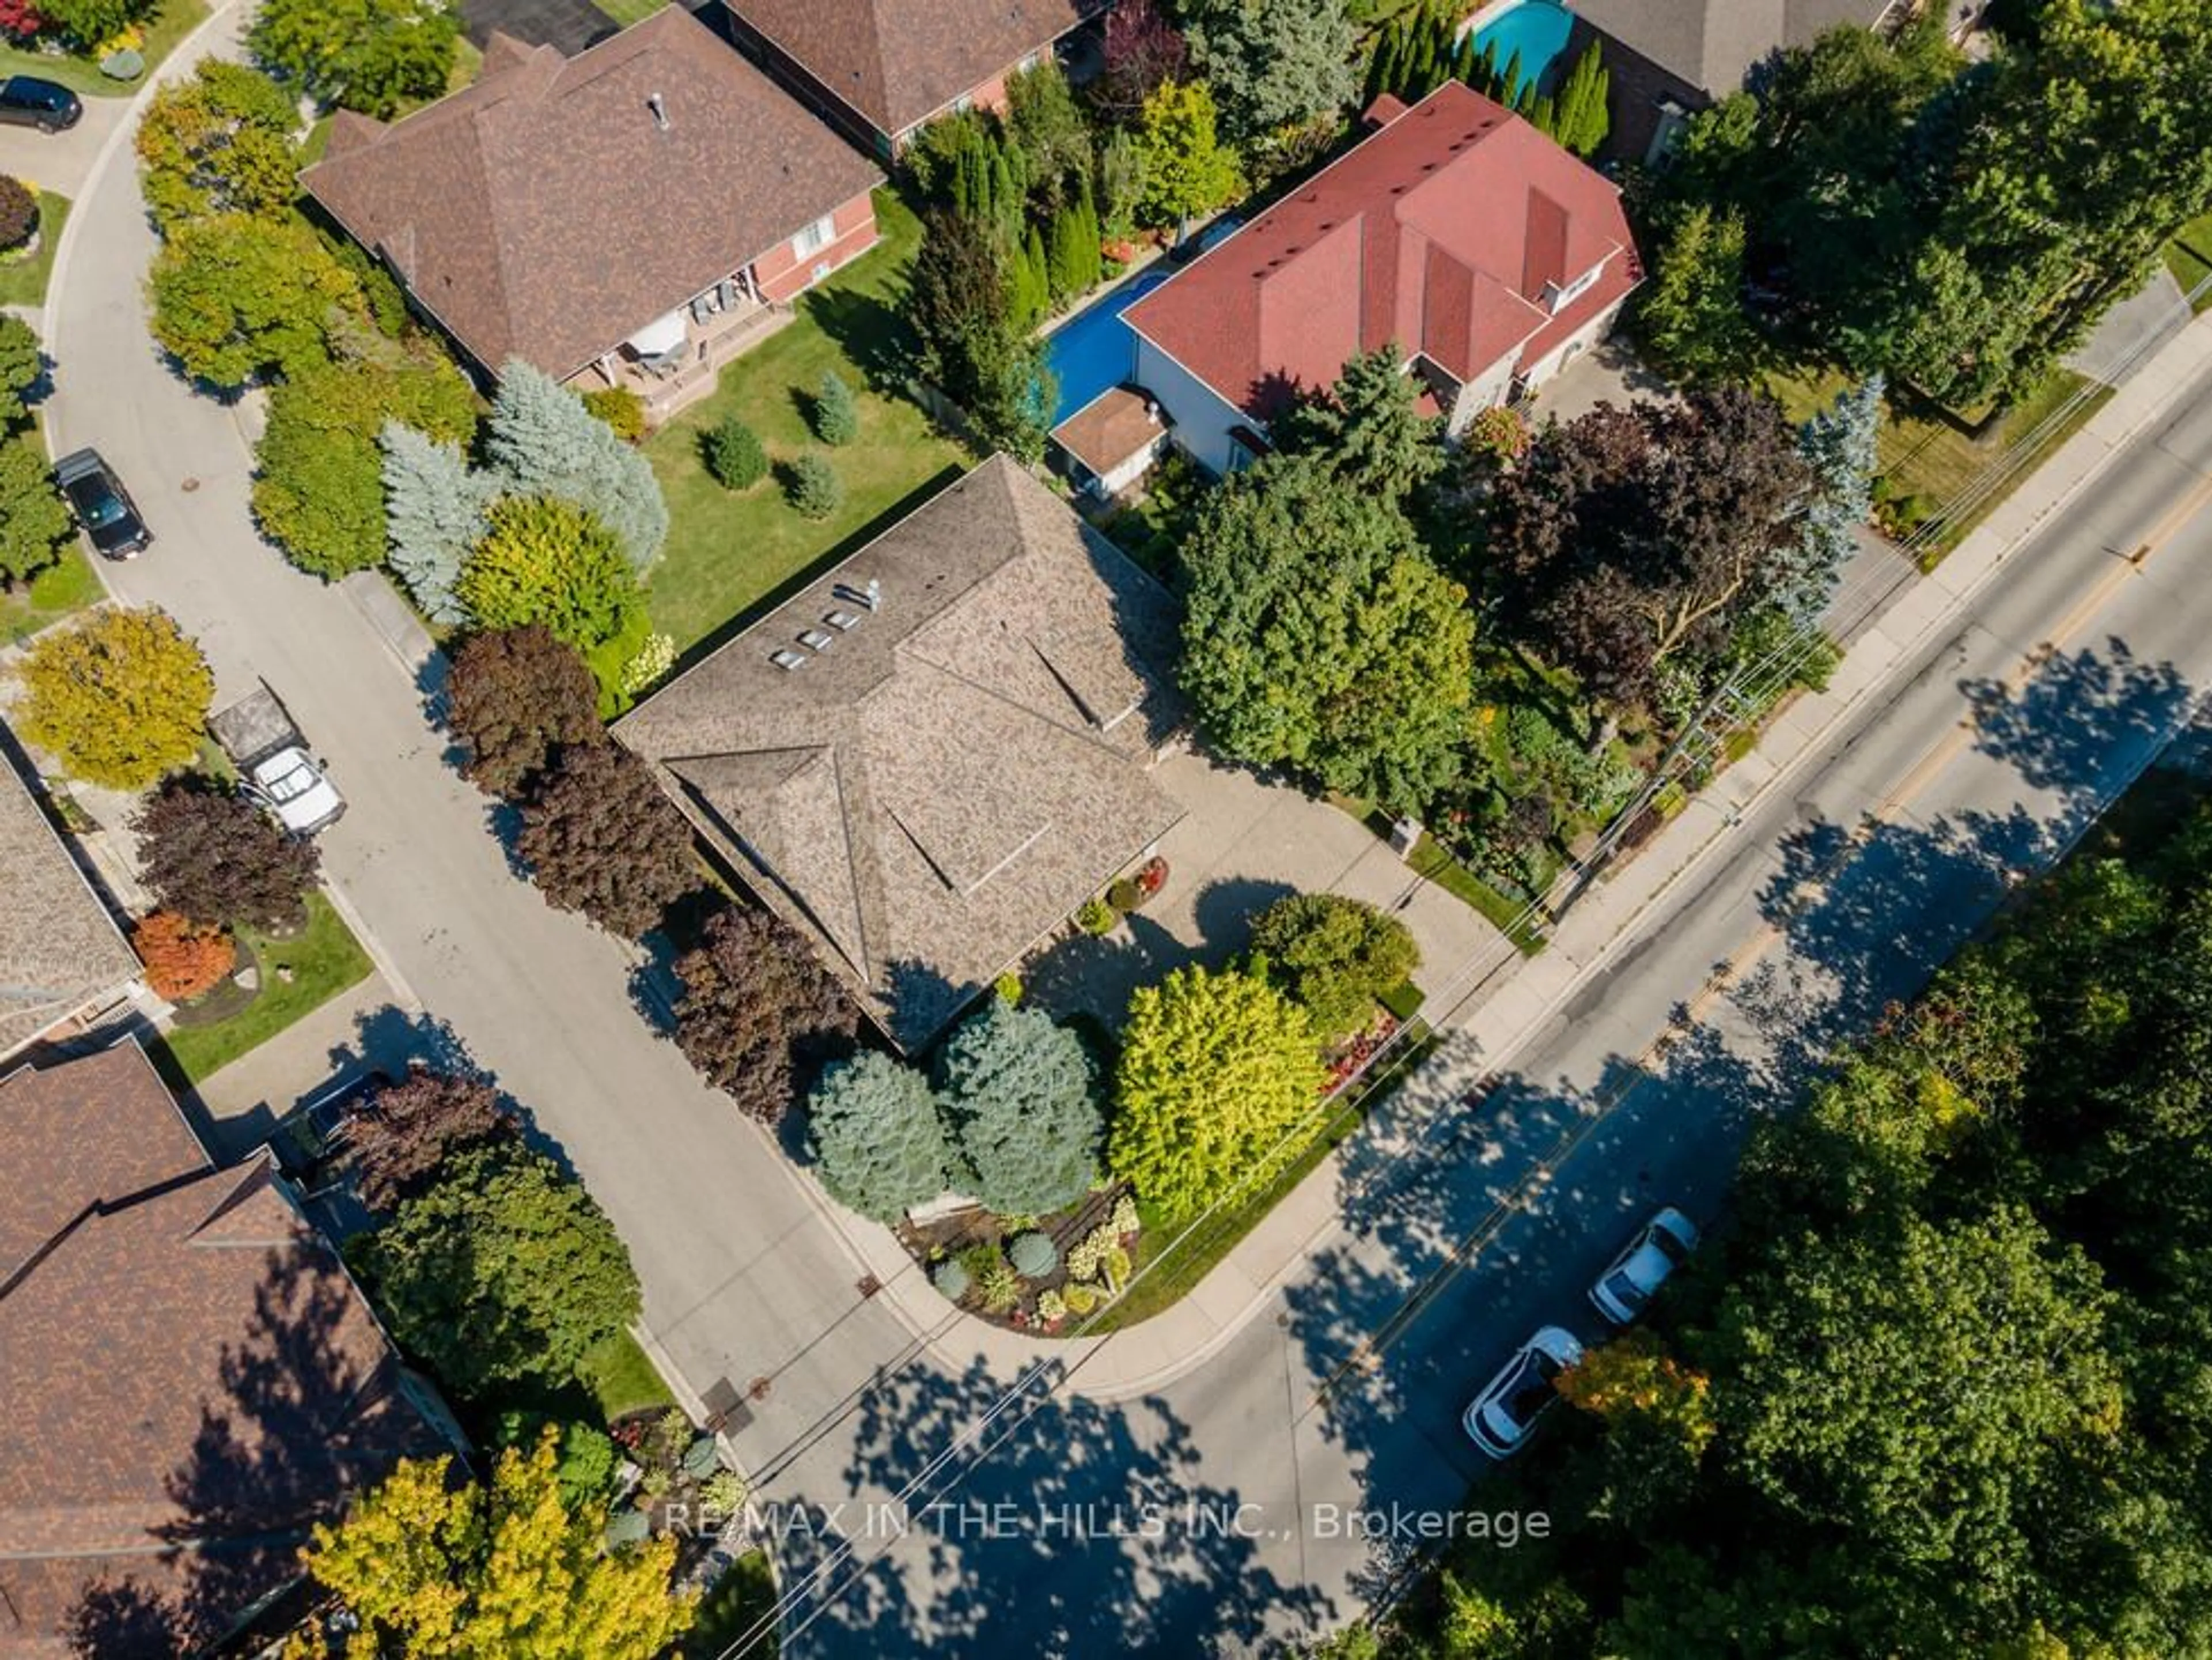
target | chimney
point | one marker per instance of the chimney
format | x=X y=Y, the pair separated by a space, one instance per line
x=659 y=108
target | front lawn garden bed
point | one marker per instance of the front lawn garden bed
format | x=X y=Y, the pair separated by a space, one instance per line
x=297 y=975
x=24 y=274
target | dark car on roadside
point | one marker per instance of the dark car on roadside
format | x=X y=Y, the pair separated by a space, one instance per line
x=27 y=102
x=103 y=508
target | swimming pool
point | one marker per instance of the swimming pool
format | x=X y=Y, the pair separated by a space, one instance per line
x=1094 y=351
x=1537 y=29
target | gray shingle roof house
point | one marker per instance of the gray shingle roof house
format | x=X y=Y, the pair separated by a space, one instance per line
x=60 y=951
x=930 y=757
x=1688 y=53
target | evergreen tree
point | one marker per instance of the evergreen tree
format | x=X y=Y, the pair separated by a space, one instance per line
x=1839 y=445
x=836 y=413
x=435 y=508
x=1368 y=429
x=1690 y=315
x=1272 y=64
x=1582 y=121
x=1035 y=289
x=1385 y=68
x=1509 y=82
x=1021 y=1093
x=542 y=441
x=878 y=1137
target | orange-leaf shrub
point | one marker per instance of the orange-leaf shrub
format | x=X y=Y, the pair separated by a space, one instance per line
x=183 y=960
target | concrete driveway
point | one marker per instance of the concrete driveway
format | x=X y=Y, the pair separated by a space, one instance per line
x=62 y=162
x=1244 y=843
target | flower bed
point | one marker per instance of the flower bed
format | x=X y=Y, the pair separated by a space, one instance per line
x=997 y=1267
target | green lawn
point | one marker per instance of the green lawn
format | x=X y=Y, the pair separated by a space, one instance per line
x=1926 y=456
x=626 y=12
x=2188 y=257
x=175 y=19
x=24 y=282
x=728 y=552
x=620 y=1378
x=67 y=586
x=740 y=1600
x=324 y=959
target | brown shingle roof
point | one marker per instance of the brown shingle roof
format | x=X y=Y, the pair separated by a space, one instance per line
x=190 y=1376
x=899 y=61
x=545 y=213
x=59 y=948
x=1712 y=44
x=1111 y=427
x=940 y=785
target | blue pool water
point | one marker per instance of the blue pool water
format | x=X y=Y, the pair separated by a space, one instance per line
x=1537 y=29
x=1094 y=351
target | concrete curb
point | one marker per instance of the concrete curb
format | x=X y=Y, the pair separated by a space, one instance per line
x=1978 y=566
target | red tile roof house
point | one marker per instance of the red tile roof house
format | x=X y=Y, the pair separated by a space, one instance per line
x=880 y=71
x=1454 y=231
x=191 y=1378
x=636 y=216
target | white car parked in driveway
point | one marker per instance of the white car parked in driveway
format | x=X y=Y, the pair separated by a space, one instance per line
x=1661 y=1245
x=1499 y=1419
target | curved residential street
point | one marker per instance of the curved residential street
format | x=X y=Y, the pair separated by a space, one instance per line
x=745 y=1276
x=1981 y=726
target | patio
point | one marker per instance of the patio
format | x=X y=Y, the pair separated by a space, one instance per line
x=1243 y=844
x=689 y=371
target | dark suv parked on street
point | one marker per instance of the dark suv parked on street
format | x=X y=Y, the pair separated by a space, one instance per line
x=109 y=517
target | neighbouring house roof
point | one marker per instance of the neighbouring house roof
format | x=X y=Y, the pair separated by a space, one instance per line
x=1712 y=44
x=59 y=948
x=897 y=62
x=546 y=213
x=945 y=780
x=1441 y=231
x=191 y=1378
x=1117 y=425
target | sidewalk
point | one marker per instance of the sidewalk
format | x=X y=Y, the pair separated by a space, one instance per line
x=1514 y=1001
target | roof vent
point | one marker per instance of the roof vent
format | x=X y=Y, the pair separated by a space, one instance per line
x=787 y=660
x=843 y=621
x=814 y=640
x=659 y=106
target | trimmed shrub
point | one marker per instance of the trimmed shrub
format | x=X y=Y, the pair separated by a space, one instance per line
x=1080 y=1299
x=997 y=1287
x=1051 y=1308
x=1125 y=895
x=836 y=411
x=183 y=960
x=1124 y=1220
x=814 y=488
x=1008 y=985
x=19 y=213
x=622 y=410
x=1033 y=1255
x=952 y=1280
x=1096 y=916
x=732 y=453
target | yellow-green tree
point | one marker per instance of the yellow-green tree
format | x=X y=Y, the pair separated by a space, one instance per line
x=1189 y=171
x=119 y=697
x=1217 y=1072
x=507 y=1571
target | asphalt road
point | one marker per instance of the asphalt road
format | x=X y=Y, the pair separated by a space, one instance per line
x=744 y=1278
x=1277 y=1466
x=1227 y=1504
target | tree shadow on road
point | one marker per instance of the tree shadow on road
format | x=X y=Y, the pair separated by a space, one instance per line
x=1065 y=1480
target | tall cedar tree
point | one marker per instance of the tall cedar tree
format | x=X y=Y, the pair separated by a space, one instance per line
x=961 y=304
x=1368 y=428
x=1627 y=534
x=1022 y=1096
x=515 y=698
x=398 y=1146
x=756 y=1007
x=599 y=837
x=209 y=854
